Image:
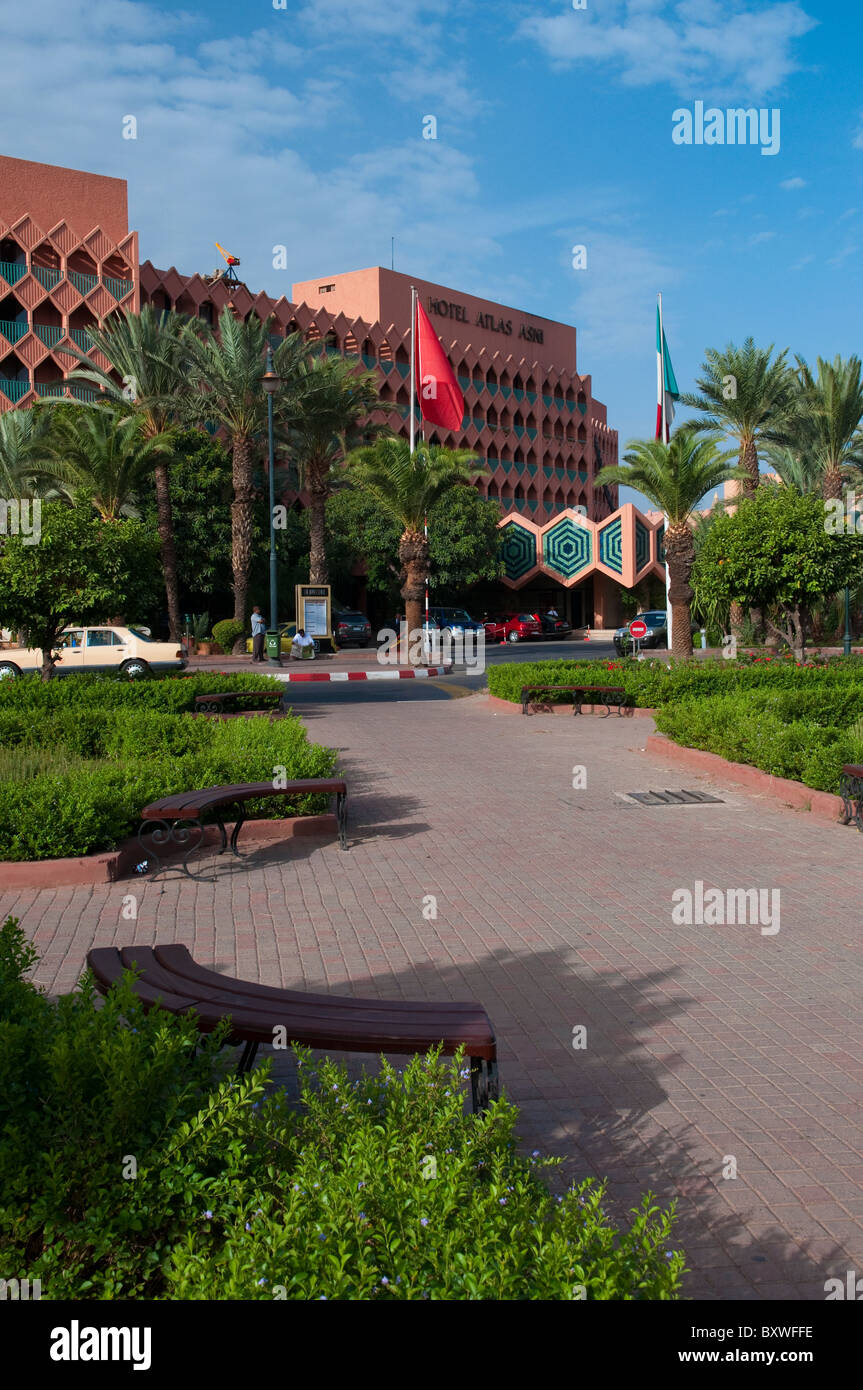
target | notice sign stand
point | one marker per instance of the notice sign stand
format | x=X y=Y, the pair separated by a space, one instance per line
x=637 y=630
x=314 y=612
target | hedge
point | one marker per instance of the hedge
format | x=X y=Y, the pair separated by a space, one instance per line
x=139 y=745
x=649 y=684
x=133 y=1166
x=804 y=736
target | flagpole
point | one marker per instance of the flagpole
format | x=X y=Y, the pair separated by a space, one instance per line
x=413 y=428
x=665 y=441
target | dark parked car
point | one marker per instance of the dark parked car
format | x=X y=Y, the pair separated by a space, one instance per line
x=657 y=631
x=454 y=620
x=351 y=627
x=552 y=627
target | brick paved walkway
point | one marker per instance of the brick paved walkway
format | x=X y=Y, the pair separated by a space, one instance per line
x=554 y=909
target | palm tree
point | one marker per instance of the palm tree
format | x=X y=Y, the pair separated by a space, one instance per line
x=406 y=486
x=749 y=396
x=675 y=477
x=148 y=351
x=832 y=402
x=328 y=419
x=795 y=466
x=23 y=449
x=227 y=370
x=103 y=456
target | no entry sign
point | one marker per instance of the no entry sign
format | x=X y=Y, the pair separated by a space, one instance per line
x=638 y=629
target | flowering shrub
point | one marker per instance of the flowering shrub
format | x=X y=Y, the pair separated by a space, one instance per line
x=134 y=1166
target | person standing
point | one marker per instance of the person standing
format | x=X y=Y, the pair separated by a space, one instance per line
x=259 y=628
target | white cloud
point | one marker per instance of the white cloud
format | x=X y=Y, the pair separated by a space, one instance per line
x=697 y=46
x=791 y=184
x=761 y=236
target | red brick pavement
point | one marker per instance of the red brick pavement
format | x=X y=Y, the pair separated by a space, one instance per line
x=554 y=909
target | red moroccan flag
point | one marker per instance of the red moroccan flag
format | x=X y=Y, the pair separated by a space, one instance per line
x=438 y=392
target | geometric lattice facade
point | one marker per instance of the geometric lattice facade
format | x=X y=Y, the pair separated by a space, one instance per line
x=60 y=272
x=67 y=260
x=624 y=546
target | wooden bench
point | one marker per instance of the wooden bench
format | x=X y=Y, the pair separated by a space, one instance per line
x=178 y=818
x=230 y=701
x=851 y=792
x=171 y=979
x=609 y=695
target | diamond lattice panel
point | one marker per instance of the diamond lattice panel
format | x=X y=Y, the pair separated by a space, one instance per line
x=642 y=546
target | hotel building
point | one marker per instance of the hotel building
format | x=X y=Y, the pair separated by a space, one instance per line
x=68 y=259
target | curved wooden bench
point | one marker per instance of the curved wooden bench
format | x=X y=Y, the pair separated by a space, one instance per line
x=851 y=792
x=233 y=701
x=610 y=695
x=172 y=979
x=178 y=817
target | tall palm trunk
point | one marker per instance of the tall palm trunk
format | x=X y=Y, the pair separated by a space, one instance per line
x=242 y=517
x=680 y=557
x=414 y=558
x=165 y=521
x=316 y=484
x=749 y=461
x=831 y=484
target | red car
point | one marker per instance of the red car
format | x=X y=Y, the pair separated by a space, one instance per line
x=515 y=627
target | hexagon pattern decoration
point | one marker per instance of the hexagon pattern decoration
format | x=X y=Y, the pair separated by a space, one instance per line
x=611 y=545
x=571 y=546
x=518 y=550
x=642 y=546
x=567 y=548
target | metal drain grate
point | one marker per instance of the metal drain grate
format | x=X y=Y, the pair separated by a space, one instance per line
x=668 y=798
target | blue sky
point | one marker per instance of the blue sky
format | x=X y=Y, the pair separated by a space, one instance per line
x=303 y=126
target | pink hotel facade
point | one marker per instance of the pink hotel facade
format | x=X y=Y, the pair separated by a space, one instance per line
x=68 y=259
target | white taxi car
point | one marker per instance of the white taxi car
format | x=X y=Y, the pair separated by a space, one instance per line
x=105 y=648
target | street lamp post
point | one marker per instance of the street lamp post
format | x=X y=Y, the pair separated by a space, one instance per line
x=270 y=383
x=847 y=621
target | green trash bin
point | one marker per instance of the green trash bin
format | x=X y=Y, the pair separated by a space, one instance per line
x=274 y=647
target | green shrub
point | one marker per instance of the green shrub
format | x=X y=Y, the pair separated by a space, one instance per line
x=652 y=683
x=227 y=632
x=173 y=694
x=805 y=735
x=235 y=1195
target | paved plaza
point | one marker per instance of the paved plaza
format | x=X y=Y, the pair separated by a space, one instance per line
x=705 y=1044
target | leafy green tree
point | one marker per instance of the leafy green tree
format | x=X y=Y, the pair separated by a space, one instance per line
x=675 y=477
x=774 y=552
x=464 y=543
x=147 y=378
x=751 y=397
x=82 y=570
x=407 y=487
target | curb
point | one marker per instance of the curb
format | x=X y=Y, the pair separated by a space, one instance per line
x=423 y=671
x=795 y=795
x=110 y=866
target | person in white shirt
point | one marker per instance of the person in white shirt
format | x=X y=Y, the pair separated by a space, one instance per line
x=303 y=647
x=259 y=628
